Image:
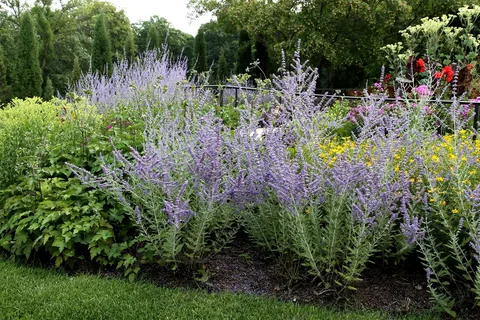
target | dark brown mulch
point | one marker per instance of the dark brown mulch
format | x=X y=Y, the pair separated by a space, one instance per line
x=244 y=269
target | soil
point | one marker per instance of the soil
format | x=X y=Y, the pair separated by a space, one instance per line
x=243 y=269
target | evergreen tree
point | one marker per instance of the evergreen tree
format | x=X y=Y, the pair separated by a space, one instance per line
x=29 y=75
x=262 y=55
x=4 y=86
x=102 y=52
x=76 y=72
x=130 y=47
x=46 y=35
x=244 y=53
x=201 y=52
x=222 y=70
x=48 y=90
x=153 y=38
x=3 y=70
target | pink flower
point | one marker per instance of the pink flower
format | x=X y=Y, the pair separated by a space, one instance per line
x=428 y=110
x=109 y=127
x=423 y=90
x=477 y=99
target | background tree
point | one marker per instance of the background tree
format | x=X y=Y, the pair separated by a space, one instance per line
x=178 y=42
x=101 y=53
x=341 y=38
x=29 y=74
x=116 y=22
x=217 y=39
x=44 y=30
x=153 y=38
x=200 y=52
x=48 y=90
x=130 y=47
x=244 y=52
x=76 y=72
x=5 y=88
x=222 y=69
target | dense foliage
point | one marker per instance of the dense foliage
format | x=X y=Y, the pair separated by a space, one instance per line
x=141 y=165
x=44 y=210
x=341 y=37
x=101 y=48
x=29 y=74
x=61 y=43
x=200 y=52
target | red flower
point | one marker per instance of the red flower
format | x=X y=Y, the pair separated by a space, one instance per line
x=469 y=66
x=448 y=72
x=420 y=65
x=387 y=78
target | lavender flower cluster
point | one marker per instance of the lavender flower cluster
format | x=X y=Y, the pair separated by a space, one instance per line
x=199 y=177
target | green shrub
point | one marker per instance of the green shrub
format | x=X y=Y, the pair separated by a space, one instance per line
x=44 y=208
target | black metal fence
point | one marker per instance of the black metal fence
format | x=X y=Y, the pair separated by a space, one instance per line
x=225 y=92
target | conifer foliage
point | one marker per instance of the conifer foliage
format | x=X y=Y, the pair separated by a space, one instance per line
x=29 y=74
x=77 y=71
x=222 y=70
x=102 y=52
x=48 y=91
x=201 y=52
x=244 y=53
x=153 y=38
x=130 y=47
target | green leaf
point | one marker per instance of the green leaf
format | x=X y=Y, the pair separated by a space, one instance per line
x=103 y=234
x=34 y=226
x=59 y=243
x=58 y=261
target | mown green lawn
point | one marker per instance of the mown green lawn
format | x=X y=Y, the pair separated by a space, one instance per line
x=32 y=293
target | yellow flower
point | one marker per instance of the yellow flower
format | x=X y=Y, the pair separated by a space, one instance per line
x=454 y=211
x=444 y=203
x=412 y=180
x=439 y=179
x=397 y=168
x=435 y=158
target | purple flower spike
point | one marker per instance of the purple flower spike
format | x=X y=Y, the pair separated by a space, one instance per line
x=411 y=228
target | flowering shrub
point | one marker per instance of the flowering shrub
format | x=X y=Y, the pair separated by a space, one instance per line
x=447 y=50
x=176 y=182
